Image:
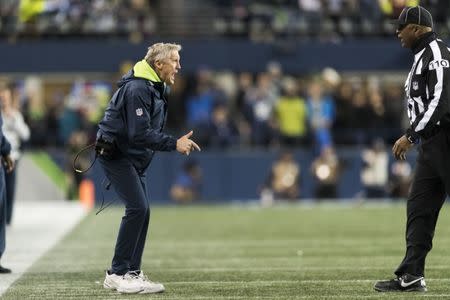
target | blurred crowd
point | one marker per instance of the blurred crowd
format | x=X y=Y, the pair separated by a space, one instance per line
x=272 y=109
x=320 y=178
x=379 y=177
x=258 y=20
x=77 y=18
x=235 y=111
x=323 y=19
x=232 y=110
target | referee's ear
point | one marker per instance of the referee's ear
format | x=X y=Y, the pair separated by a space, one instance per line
x=417 y=31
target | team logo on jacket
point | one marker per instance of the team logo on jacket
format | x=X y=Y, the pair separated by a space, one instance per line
x=139 y=112
x=415 y=85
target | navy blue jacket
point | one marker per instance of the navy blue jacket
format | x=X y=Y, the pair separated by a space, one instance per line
x=5 y=147
x=136 y=115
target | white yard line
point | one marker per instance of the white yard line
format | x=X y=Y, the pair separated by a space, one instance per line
x=286 y=269
x=308 y=281
x=37 y=227
x=275 y=243
x=374 y=296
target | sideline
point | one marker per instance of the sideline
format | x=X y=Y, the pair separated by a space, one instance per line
x=37 y=226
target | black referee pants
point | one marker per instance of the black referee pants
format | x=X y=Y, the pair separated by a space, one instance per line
x=431 y=183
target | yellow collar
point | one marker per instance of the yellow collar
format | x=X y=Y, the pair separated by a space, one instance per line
x=143 y=70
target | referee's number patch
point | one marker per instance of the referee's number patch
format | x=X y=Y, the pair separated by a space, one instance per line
x=436 y=64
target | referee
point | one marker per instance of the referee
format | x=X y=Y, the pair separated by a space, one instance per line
x=428 y=99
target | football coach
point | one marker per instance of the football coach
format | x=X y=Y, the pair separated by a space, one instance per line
x=129 y=134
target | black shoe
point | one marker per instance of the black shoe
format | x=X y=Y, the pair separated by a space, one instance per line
x=404 y=283
x=4 y=270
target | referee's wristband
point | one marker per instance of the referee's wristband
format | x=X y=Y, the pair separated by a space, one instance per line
x=412 y=138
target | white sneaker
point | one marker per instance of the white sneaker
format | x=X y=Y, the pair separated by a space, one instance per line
x=149 y=286
x=127 y=284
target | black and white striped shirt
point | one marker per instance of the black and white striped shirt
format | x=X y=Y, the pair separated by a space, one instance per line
x=427 y=87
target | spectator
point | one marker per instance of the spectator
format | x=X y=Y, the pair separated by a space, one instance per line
x=222 y=132
x=331 y=80
x=376 y=109
x=245 y=85
x=259 y=105
x=275 y=73
x=283 y=180
x=34 y=110
x=311 y=12
x=326 y=170
x=343 y=128
x=439 y=9
x=188 y=183
x=291 y=115
x=374 y=175
x=200 y=105
x=242 y=115
x=400 y=179
x=370 y=11
x=16 y=131
x=8 y=16
x=136 y=17
x=360 y=117
x=393 y=100
x=393 y=8
x=6 y=165
x=321 y=115
x=29 y=10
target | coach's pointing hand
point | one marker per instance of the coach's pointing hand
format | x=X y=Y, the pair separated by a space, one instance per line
x=185 y=145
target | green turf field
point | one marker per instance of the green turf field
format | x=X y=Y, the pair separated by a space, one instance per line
x=228 y=252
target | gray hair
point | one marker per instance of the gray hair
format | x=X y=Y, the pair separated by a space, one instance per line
x=160 y=51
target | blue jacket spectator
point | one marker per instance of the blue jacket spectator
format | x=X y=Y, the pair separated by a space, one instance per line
x=321 y=114
x=5 y=150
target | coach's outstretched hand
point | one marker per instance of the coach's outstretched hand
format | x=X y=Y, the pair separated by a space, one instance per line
x=185 y=145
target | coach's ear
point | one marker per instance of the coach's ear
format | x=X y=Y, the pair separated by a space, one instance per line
x=158 y=64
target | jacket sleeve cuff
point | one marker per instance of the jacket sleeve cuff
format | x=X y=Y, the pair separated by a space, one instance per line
x=412 y=136
x=5 y=147
x=172 y=144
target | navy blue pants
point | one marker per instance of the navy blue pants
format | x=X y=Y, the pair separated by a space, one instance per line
x=2 y=211
x=132 y=191
x=10 y=181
